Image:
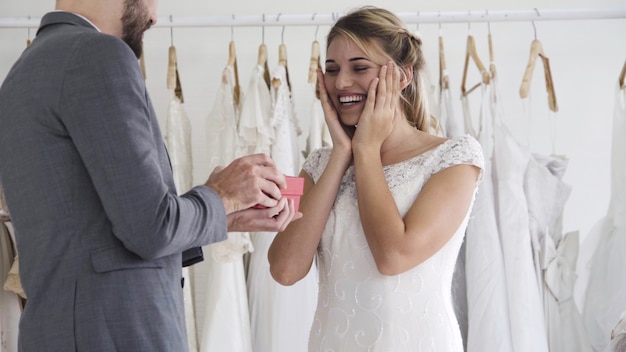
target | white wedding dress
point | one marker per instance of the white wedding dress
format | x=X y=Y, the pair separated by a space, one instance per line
x=488 y=327
x=360 y=309
x=280 y=315
x=605 y=281
x=220 y=293
x=178 y=142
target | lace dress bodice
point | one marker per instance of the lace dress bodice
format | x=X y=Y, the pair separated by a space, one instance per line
x=360 y=309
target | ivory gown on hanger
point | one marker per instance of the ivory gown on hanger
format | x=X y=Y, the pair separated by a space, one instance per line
x=360 y=309
x=451 y=124
x=528 y=332
x=178 y=140
x=221 y=297
x=606 y=287
x=284 y=149
x=488 y=327
x=319 y=135
x=281 y=315
x=556 y=253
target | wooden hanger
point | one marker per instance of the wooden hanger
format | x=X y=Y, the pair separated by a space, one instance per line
x=262 y=61
x=173 y=79
x=492 y=64
x=28 y=41
x=262 y=58
x=142 y=64
x=314 y=65
x=232 y=55
x=282 y=55
x=171 y=68
x=444 y=80
x=622 y=75
x=470 y=53
x=536 y=50
x=232 y=62
x=282 y=61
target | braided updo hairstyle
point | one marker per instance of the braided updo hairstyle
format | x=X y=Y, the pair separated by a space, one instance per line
x=379 y=31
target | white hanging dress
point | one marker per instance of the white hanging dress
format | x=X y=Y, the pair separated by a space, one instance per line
x=221 y=297
x=451 y=124
x=281 y=316
x=319 y=135
x=256 y=128
x=256 y=134
x=606 y=287
x=178 y=141
x=284 y=149
x=528 y=332
x=556 y=253
x=487 y=304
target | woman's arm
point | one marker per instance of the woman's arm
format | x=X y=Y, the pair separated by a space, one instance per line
x=399 y=244
x=292 y=251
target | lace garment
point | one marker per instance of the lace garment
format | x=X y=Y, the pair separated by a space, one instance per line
x=358 y=308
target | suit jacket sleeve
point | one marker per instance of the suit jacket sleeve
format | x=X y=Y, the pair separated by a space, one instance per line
x=107 y=111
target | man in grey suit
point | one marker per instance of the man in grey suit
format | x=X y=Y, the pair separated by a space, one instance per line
x=99 y=226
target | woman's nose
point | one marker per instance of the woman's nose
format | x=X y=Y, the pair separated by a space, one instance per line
x=344 y=80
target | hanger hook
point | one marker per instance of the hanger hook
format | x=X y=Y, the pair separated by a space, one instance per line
x=232 y=29
x=171 y=30
x=282 y=36
x=263 y=31
x=439 y=15
x=469 y=22
x=533 y=22
x=317 y=28
x=28 y=29
x=417 y=24
x=488 y=22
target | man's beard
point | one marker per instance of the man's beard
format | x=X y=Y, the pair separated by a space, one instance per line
x=135 y=21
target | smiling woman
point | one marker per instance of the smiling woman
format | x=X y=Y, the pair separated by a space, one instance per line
x=385 y=209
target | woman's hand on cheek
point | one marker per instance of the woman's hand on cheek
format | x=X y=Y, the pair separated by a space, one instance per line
x=379 y=115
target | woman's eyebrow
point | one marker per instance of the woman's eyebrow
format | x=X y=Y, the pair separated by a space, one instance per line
x=350 y=60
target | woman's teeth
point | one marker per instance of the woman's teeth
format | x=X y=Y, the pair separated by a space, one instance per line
x=351 y=99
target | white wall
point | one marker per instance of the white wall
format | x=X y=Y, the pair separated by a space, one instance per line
x=586 y=59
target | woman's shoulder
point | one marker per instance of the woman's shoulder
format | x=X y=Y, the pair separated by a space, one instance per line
x=459 y=150
x=316 y=162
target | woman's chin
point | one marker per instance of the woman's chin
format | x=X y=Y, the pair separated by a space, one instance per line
x=349 y=120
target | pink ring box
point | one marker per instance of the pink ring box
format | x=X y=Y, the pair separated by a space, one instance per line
x=295 y=188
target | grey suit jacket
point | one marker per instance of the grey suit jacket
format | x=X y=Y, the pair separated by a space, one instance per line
x=87 y=180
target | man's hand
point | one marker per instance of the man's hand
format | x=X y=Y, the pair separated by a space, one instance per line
x=248 y=181
x=274 y=219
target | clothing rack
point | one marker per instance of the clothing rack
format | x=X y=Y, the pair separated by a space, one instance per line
x=316 y=19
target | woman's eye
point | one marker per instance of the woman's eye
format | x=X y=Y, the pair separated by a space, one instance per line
x=331 y=70
x=360 y=69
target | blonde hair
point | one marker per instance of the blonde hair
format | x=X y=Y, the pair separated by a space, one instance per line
x=379 y=31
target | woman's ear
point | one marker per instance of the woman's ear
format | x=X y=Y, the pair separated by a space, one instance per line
x=407 y=76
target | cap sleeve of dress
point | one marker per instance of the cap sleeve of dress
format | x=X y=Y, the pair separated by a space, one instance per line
x=316 y=162
x=461 y=150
